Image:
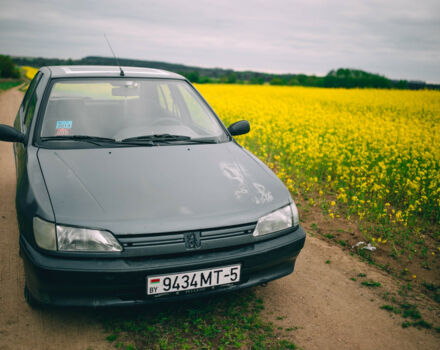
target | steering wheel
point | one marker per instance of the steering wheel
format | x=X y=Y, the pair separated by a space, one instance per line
x=167 y=120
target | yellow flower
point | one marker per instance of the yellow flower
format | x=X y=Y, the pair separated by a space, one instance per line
x=333 y=203
x=414 y=276
x=30 y=72
x=378 y=149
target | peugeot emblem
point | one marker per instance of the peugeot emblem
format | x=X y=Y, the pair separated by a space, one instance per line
x=192 y=240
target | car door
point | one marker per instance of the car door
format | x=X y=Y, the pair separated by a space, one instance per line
x=23 y=121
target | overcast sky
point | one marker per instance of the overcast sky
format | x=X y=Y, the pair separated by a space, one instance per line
x=396 y=38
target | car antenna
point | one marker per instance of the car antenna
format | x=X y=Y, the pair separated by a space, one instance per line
x=117 y=61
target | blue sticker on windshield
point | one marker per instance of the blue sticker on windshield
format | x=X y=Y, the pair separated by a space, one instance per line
x=64 y=124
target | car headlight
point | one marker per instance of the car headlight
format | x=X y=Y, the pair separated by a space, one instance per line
x=44 y=233
x=82 y=239
x=278 y=220
x=65 y=238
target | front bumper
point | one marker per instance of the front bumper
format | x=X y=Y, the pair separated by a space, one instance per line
x=103 y=281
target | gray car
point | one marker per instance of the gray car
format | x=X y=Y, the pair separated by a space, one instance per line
x=131 y=190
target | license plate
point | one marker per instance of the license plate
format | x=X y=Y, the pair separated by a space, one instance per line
x=184 y=281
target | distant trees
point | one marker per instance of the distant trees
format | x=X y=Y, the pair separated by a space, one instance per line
x=342 y=77
x=350 y=78
x=277 y=81
x=193 y=77
x=8 y=68
x=256 y=80
x=402 y=84
x=231 y=78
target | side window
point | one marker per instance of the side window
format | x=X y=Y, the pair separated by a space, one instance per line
x=30 y=90
x=31 y=102
x=30 y=111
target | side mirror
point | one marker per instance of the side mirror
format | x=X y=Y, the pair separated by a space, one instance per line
x=239 y=128
x=8 y=133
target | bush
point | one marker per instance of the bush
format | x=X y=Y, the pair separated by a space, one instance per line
x=8 y=68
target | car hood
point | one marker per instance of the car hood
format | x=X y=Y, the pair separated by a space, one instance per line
x=169 y=188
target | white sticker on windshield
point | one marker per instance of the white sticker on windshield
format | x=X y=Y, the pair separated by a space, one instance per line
x=64 y=124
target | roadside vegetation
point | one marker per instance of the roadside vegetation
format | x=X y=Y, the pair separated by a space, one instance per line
x=230 y=322
x=8 y=69
x=404 y=303
x=366 y=161
x=10 y=75
x=9 y=84
x=29 y=72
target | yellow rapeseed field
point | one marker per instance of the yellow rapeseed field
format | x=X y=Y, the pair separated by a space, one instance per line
x=370 y=153
x=30 y=72
x=365 y=152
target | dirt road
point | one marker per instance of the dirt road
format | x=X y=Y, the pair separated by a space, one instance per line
x=332 y=311
x=20 y=326
x=325 y=309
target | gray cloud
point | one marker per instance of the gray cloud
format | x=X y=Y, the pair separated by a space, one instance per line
x=398 y=38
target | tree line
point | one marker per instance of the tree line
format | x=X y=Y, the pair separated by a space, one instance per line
x=8 y=69
x=342 y=77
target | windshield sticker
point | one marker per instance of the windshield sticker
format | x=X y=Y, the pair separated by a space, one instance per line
x=62 y=132
x=64 y=124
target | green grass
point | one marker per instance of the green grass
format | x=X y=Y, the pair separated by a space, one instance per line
x=418 y=324
x=410 y=310
x=433 y=289
x=231 y=321
x=290 y=329
x=406 y=310
x=342 y=243
x=9 y=84
x=391 y=308
x=371 y=283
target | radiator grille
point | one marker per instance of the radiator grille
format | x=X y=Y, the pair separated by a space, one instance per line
x=177 y=238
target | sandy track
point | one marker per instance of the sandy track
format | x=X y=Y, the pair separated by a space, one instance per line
x=20 y=326
x=330 y=310
x=333 y=312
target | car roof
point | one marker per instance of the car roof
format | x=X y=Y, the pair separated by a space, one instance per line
x=109 y=71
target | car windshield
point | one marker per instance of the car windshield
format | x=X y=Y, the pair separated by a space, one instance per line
x=122 y=108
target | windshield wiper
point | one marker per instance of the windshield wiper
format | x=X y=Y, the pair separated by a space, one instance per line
x=96 y=140
x=166 y=138
x=86 y=138
x=157 y=137
x=77 y=137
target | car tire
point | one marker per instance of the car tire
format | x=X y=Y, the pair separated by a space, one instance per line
x=30 y=300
